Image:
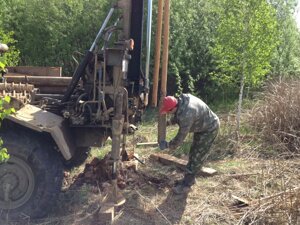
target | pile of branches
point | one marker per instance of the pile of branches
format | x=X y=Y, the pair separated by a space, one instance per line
x=277 y=116
x=281 y=208
x=273 y=195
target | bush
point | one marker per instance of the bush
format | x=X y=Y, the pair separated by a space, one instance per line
x=277 y=116
x=5 y=110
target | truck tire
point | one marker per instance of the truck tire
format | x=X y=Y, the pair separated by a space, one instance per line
x=31 y=178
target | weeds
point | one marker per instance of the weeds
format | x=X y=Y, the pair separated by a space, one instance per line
x=277 y=116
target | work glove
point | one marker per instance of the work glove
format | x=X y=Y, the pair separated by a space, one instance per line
x=163 y=145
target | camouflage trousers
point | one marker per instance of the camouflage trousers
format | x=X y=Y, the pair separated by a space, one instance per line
x=202 y=142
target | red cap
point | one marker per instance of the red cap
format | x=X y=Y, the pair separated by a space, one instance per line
x=168 y=104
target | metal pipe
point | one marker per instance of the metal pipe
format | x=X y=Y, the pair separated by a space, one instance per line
x=102 y=28
x=148 y=46
x=157 y=53
x=79 y=72
x=117 y=127
x=95 y=75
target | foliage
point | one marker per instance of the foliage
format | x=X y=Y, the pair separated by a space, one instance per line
x=190 y=38
x=3 y=153
x=245 y=40
x=244 y=43
x=286 y=58
x=11 y=57
x=49 y=32
x=4 y=111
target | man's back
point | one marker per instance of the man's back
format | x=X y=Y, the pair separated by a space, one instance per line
x=193 y=112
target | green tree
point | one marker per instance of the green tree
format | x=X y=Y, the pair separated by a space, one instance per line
x=190 y=40
x=286 y=58
x=245 y=40
x=49 y=32
x=11 y=57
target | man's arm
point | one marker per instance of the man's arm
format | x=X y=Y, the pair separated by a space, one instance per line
x=172 y=121
x=184 y=128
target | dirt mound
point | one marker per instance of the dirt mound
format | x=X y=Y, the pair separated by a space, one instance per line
x=98 y=173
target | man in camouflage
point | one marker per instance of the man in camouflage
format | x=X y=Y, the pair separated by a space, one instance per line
x=192 y=115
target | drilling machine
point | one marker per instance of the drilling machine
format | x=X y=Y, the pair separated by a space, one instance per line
x=105 y=96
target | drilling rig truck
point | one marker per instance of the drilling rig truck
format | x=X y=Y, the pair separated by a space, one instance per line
x=105 y=96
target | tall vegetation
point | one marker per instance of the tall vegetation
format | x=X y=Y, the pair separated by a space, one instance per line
x=276 y=116
x=286 y=58
x=49 y=33
x=245 y=39
x=12 y=56
x=190 y=38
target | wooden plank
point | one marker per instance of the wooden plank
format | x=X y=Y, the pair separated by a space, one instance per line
x=180 y=163
x=38 y=80
x=36 y=70
x=169 y=160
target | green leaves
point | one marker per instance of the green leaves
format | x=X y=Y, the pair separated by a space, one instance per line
x=4 y=156
x=208 y=38
x=245 y=39
x=5 y=110
x=10 y=58
x=285 y=60
x=49 y=32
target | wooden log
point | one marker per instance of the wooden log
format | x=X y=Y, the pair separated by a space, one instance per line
x=157 y=53
x=162 y=119
x=36 y=70
x=38 y=81
x=181 y=163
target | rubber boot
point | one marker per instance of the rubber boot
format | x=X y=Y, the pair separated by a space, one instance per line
x=184 y=186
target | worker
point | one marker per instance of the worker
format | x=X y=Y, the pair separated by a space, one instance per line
x=192 y=115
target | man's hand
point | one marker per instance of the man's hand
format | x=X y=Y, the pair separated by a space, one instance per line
x=163 y=145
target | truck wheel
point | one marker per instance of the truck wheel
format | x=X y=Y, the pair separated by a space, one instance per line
x=30 y=179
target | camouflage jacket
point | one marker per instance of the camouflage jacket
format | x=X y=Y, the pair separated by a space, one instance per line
x=192 y=115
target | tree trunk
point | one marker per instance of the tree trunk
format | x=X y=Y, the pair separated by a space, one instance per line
x=239 y=108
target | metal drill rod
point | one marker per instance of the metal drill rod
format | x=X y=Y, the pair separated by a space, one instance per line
x=87 y=58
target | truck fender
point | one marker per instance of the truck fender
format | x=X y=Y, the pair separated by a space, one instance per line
x=40 y=120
